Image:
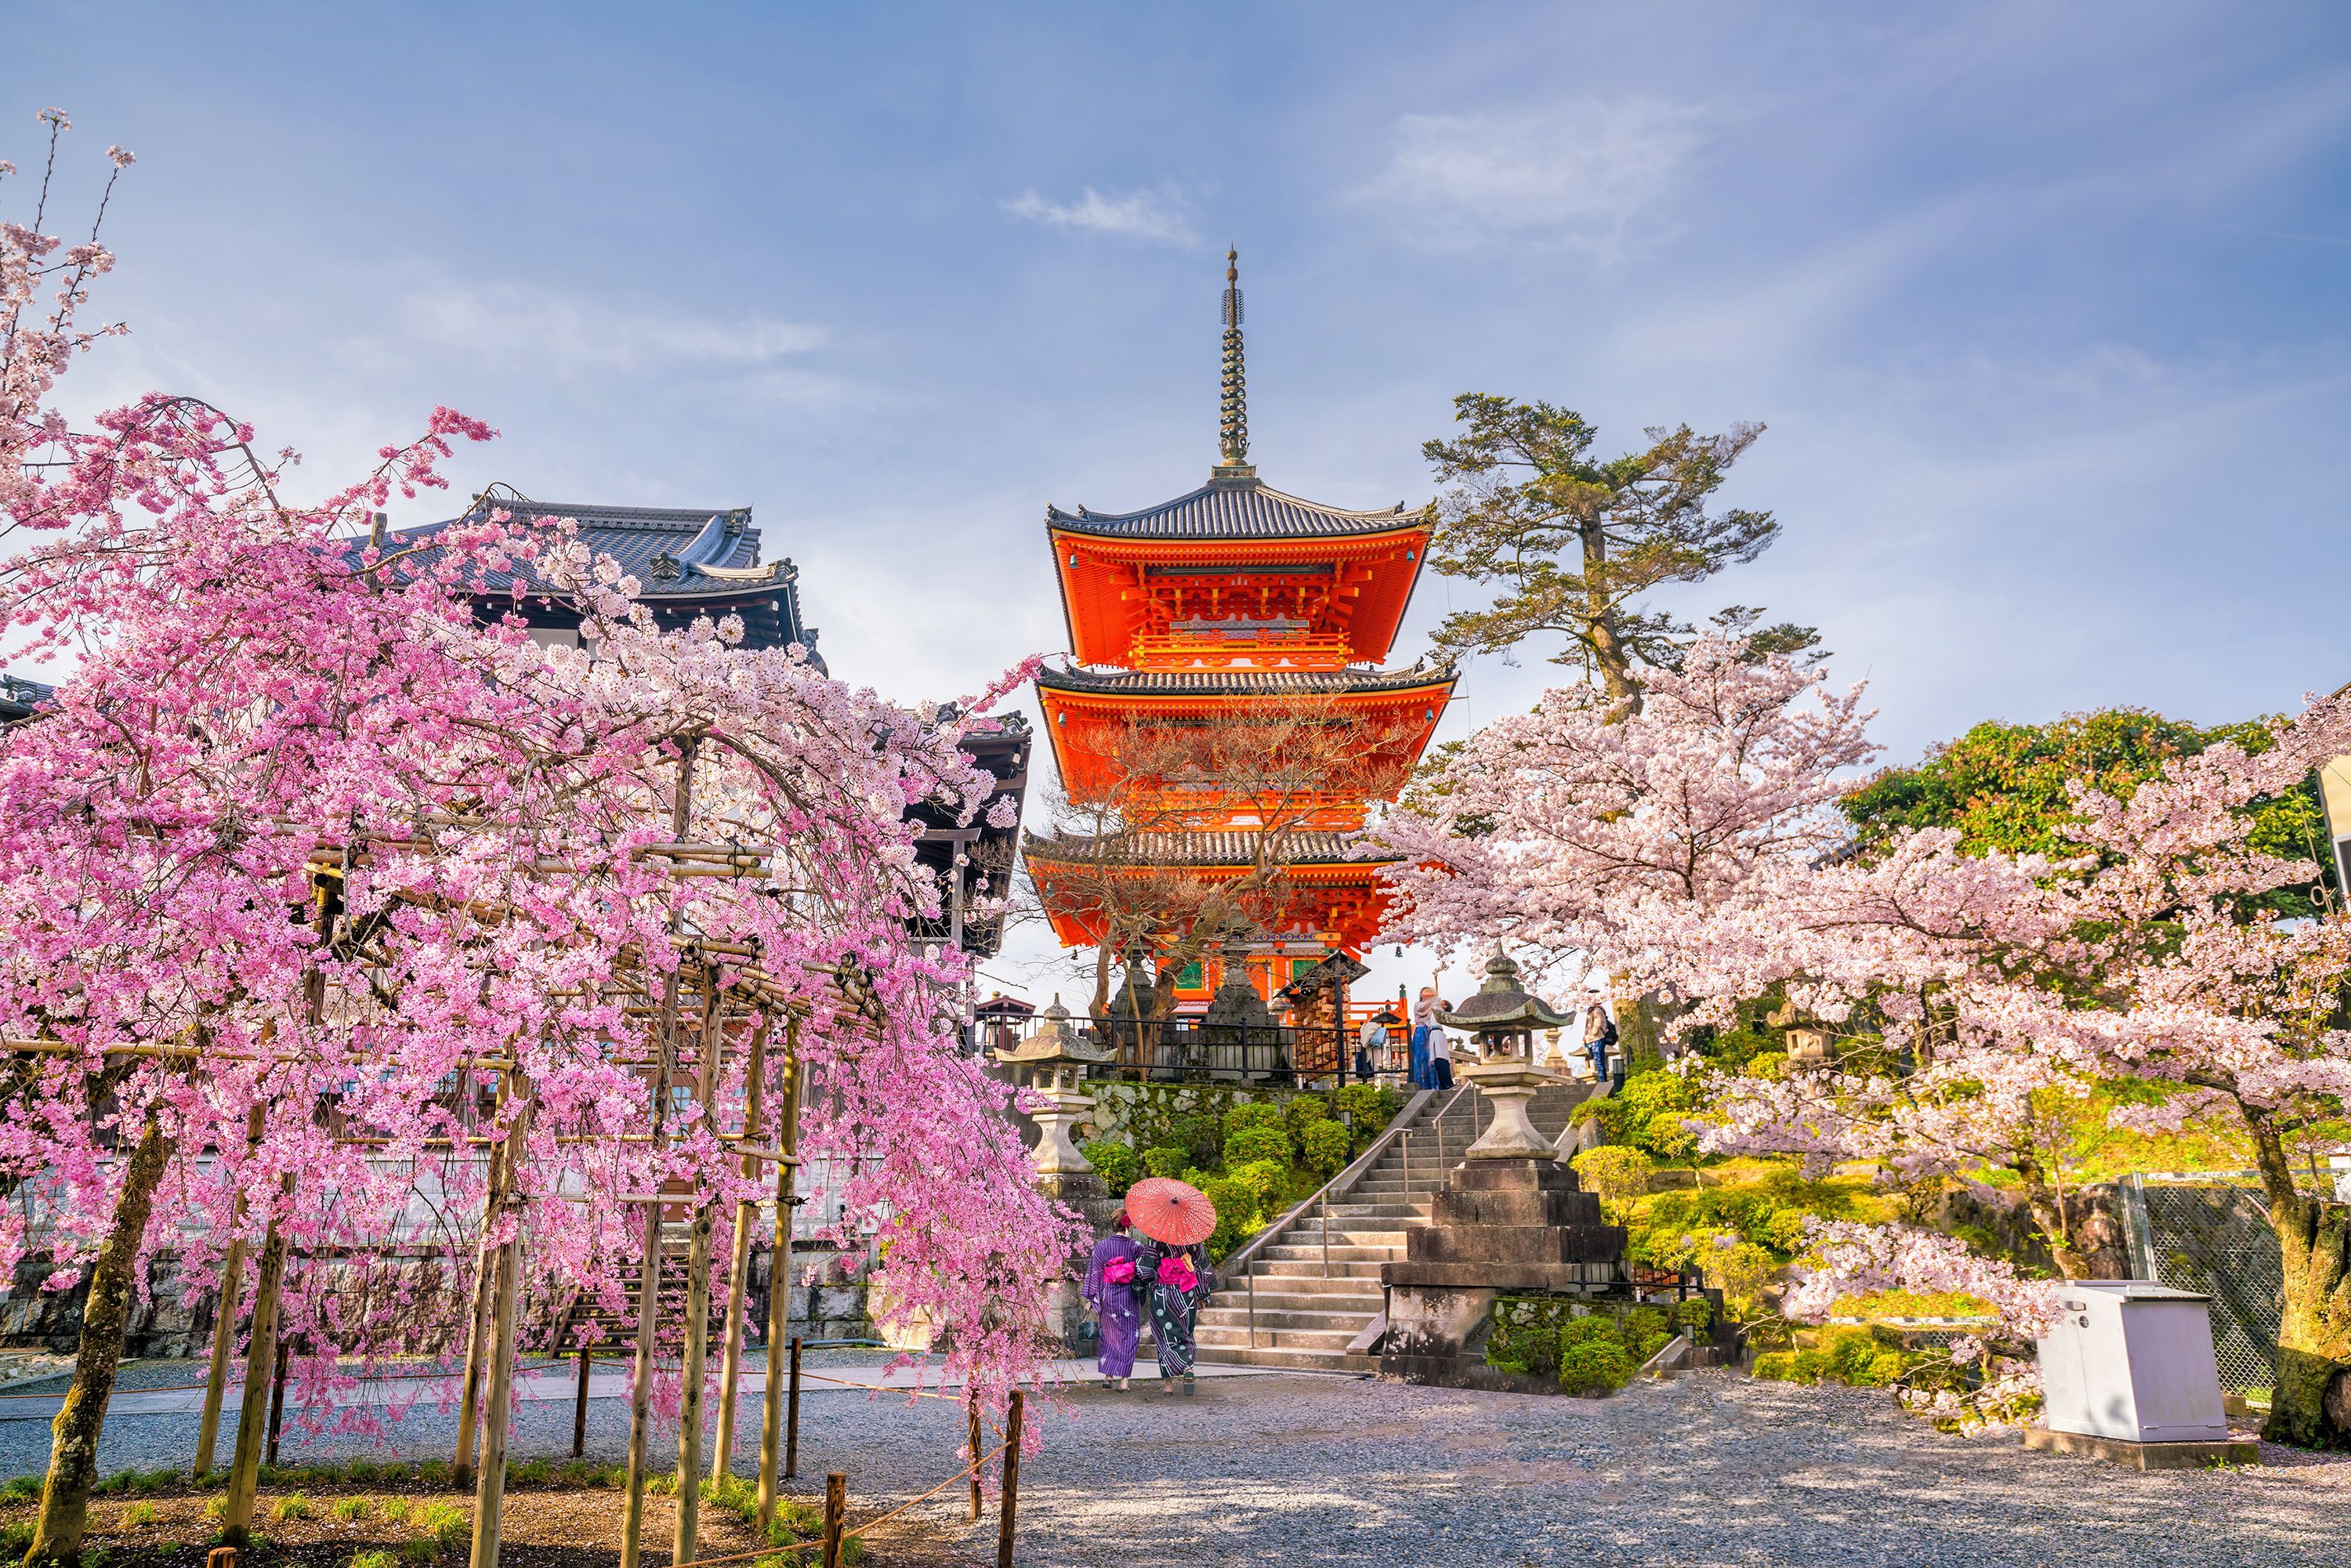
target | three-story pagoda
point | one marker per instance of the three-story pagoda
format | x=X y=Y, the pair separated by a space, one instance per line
x=1230 y=601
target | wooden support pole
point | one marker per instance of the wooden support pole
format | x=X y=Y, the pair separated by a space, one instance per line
x=232 y=1290
x=477 y=1328
x=697 y=1310
x=971 y=1407
x=792 y=1421
x=1011 y=1482
x=253 y=1414
x=780 y=1278
x=836 y=1514
x=490 y=1488
x=739 y=1271
x=579 y=1406
x=632 y=1512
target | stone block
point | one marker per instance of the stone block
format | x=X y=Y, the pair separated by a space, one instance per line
x=1513 y=1175
x=1509 y=1244
x=1475 y=1207
x=2144 y=1456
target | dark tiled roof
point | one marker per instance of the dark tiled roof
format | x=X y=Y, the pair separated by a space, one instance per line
x=19 y=697
x=1242 y=682
x=1231 y=509
x=1234 y=846
x=682 y=556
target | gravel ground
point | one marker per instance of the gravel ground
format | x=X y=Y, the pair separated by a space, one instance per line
x=1709 y=1470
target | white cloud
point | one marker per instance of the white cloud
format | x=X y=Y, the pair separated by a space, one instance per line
x=1581 y=173
x=509 y=323
x=1164 y=215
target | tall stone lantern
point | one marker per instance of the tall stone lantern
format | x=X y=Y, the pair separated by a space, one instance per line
x=1053 y=1062
x=1502 y=1021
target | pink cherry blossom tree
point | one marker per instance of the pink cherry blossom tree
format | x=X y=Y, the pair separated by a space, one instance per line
x=302 y=840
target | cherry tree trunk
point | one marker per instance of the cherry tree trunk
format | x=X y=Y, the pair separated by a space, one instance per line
x=2311 y=1406
x=73 y=1451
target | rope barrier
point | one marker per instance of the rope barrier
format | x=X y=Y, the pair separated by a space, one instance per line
x=239 y=1382
x=879 y=1520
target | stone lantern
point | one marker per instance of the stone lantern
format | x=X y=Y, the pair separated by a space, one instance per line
x=1501 y=1020
x=1053 y=1061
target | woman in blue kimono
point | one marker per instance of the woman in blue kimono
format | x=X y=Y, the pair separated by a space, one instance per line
x=1177 y=1281
x=1111 y=1293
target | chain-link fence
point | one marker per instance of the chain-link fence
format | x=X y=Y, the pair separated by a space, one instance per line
x=2211 y=1233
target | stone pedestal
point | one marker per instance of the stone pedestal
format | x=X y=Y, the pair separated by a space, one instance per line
x=1500 y=1225
x=1509 y=1084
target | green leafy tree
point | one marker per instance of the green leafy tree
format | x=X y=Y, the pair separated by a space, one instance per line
x=2004 y=787
x=1570 y=542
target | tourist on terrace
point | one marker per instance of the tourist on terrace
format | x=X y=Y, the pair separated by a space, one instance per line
x=1111 y=1294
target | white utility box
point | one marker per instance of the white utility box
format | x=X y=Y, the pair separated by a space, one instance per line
x=2133 y=1360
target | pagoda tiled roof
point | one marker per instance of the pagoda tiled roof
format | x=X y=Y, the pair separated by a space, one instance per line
x=20 y=699
x=1232 y=509
x=1231 y=846
x=1243 y=682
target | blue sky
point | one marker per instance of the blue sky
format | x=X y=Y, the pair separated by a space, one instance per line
x=2044 y=305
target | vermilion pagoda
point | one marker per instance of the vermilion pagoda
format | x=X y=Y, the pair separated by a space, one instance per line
x=1234 y=599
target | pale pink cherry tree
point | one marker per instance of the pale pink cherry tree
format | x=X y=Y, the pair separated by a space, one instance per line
x=298 y=839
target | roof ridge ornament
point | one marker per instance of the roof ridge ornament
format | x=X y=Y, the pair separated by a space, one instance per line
x=1232 y=423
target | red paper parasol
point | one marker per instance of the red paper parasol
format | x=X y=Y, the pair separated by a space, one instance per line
x=1174 y=1212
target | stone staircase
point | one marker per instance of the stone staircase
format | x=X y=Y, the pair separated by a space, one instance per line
x=1308 y=1313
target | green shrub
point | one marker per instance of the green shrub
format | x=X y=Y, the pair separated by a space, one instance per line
x=1642 y=1321
x=1301 y=1112
x=1776 y=1367
x=1325 y=1145
x=374 y=1558
x=434 y=1472
x=1598 y=1328
x=1811 y=1365
x=142 y=1513
x=1236 y=1211
x=1264 y=1184
x=1594 y=1366
x=1117 y=1164
x=1696 y=1315
x=15 y=1537
x=293 y=1505
x=1201 y=1136
x=217 y=1508
x=1523 y=1340
x=1646 y=1345
x=21 y=1489
x=1373 y=1105
x=1247 y=1146
x=1166 y=1160
x=350 y=1509
x=421 y=1550
x=446 y=1524
x=1614 y=1174
x=394 y=1510
x=1251 y=1114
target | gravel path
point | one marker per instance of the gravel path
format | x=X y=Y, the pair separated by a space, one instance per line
x=1709 y=1470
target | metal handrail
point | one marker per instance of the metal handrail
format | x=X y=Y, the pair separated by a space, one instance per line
x=1345 y=1181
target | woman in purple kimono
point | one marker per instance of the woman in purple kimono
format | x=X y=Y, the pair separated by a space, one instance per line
x=1111 y=1293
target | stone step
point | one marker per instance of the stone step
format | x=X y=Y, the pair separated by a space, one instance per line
x=1237 y=1337
x=1287 y=1252
x=1300 y=1296
x=1311 y=1268
x=1284 y=1319
x=1293 y=1360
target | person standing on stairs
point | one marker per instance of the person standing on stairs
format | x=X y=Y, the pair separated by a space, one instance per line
x=1424 y=1029
x=1110 y=1293
x=1599 y=1035
x=1440 y=1054
x=1176 y=1282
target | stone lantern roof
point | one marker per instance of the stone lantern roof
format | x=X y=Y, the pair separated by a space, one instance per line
x=1500 y=1007
x=1054 y=1041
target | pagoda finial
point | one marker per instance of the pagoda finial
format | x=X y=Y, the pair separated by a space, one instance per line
x=1232 y=427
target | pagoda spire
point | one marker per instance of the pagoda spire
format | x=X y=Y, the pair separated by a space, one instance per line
x=1232 y=425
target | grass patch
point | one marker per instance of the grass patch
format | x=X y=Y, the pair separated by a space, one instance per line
x=293 y=1505
x=374 y=1558
x=142 y=1513
x=351 y=1509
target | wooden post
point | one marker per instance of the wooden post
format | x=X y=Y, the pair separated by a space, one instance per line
x=792 y=1421
x=276 y=1400
x=738 y=1272
x=232 y=1289
x=490 y=1488
x=253 y=1412
x=579 y=1406
x=477 y=1322
x=698 y=1306
x=971 y=1406
x=780 y=1274
x=836 y=1512
x=633 y=1513
x=1011 y=1482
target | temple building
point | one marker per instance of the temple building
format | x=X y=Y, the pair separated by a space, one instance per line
x=1234 y=603
x=691 y=561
